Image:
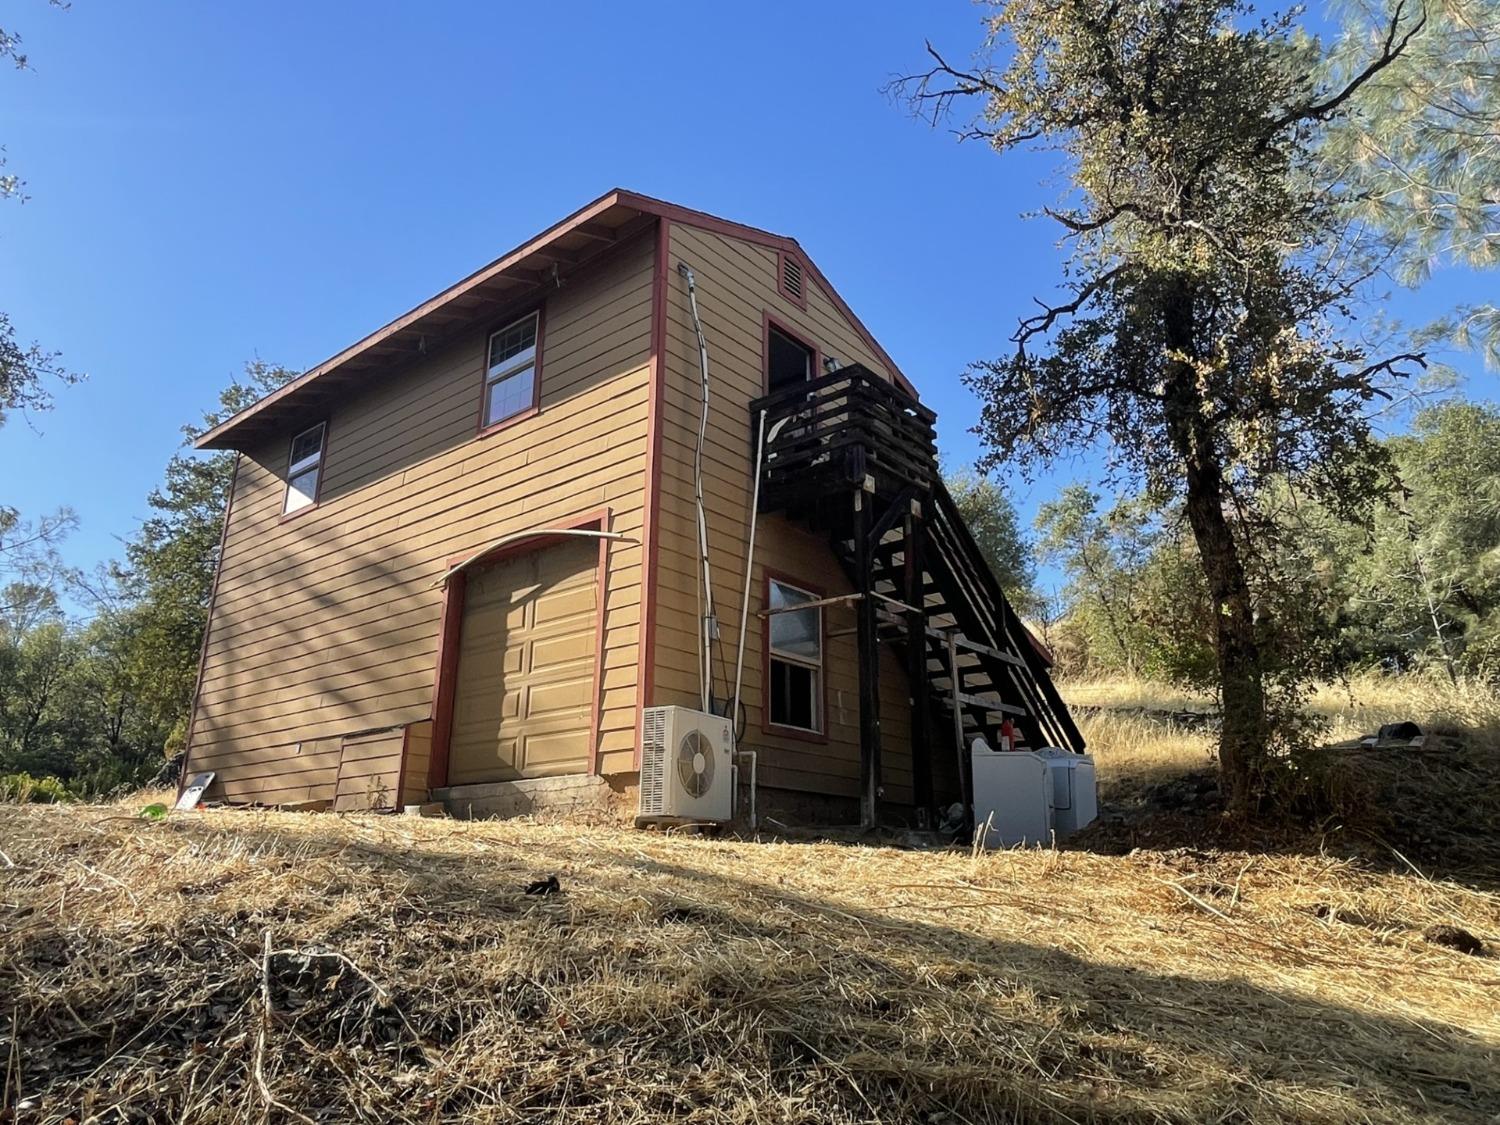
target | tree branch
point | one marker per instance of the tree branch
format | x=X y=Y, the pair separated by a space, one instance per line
x=1042 y=322
x=933 y=101
x=1390 y=51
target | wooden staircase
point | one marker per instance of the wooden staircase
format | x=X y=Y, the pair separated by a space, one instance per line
x=976 y=652
x=853 y=455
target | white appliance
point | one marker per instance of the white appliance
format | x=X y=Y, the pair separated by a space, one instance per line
x=1075 y=796
x=686 y=757
x=1012 y=797
x=1023 y=796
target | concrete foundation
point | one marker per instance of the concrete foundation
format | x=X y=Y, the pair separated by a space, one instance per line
x=566 y=796
x=614 y=800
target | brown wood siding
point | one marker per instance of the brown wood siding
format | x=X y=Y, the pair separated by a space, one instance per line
x=327 y=623
x=737 y=285
x=414 y=770
x=369 y=771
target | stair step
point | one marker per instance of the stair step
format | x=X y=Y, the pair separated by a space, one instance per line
x=957 y=589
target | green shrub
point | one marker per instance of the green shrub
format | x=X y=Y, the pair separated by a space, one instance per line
x=107 y=778
x=21 y=788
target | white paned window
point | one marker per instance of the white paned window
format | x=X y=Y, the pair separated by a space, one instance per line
x=510 y=378
x=304 y=467
x=795 y=659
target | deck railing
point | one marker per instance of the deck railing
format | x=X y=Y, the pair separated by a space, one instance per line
x=837 y=430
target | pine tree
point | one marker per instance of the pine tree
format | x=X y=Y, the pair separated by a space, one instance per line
x=170 y=562
x=1416 y=156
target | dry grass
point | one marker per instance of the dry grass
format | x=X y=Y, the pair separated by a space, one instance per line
x=1130 y=692
x=1130 y=746
x=237 y=966
x=1126 y=742
x=1366 y=702
x=411 y=979
x=1436 y=812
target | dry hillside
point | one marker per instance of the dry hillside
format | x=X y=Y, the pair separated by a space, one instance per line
x=410 y=978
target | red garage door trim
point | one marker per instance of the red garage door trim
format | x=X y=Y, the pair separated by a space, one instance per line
x=452 y=623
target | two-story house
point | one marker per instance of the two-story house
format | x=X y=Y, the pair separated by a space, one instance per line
x=469 y=549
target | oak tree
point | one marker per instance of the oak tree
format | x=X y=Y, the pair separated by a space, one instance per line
x=1206 y=343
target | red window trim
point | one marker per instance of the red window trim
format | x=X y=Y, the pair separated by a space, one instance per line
x=766 y=725
x=781 y=257
x=540 y=312
x=451 y=624
x=768 y=321
x=322 y=472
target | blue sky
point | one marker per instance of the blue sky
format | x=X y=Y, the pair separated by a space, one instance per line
x=207 y=187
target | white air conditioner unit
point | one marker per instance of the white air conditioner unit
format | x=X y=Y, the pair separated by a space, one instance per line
x=686 y=757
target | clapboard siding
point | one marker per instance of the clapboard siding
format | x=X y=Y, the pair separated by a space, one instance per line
x=414 y=770
x=326 y=624
x=736 y=287
x=369 y=771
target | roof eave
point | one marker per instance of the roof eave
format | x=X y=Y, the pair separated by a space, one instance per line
x=589 y=223
x=386 y=339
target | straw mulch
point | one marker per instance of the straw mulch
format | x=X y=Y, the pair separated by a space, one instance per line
x=238 y=966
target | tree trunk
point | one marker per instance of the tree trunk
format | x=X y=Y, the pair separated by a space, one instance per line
x=1246 y=730
x=1245 y=733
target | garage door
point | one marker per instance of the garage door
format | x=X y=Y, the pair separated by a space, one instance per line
x=523 y=701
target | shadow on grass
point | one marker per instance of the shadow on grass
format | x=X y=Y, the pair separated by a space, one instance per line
x=1433 y=813
x=645 y=967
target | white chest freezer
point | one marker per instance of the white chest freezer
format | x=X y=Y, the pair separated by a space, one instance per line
x=1024 y=796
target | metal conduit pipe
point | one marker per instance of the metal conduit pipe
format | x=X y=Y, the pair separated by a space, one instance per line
x=708 y=625
x=761 y=440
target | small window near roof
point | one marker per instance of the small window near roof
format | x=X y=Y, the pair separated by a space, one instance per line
x=795 y=659
x=304 y=468
x=510 y=379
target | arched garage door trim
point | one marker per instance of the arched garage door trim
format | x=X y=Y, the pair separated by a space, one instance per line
x=450 y=629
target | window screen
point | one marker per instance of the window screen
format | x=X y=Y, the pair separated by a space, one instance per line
x=304 y=467
x=510 y=378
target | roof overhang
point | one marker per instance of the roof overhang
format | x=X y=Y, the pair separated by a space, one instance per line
x=525 y=273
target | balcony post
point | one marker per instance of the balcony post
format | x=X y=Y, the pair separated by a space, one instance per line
x=916 y=670
x=869 y=664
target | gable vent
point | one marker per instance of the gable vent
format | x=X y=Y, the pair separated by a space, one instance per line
x=791 y=277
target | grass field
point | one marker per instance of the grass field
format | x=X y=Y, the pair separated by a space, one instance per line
x=1350 y=710
x=242 y=966
x=1124 y=742
x=1432 y=812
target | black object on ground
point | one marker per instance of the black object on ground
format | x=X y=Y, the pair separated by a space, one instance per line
x=1393 y=732
x=1454 y=938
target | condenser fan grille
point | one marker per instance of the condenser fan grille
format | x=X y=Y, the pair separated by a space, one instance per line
x=695 y=764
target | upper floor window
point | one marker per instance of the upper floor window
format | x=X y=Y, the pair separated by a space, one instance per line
x=510 y=381
x=794 y=658
x=304 y=469
x=788 y=359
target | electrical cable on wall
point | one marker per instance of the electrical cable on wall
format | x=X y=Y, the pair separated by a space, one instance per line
x=762 y=439
x=708 y=621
